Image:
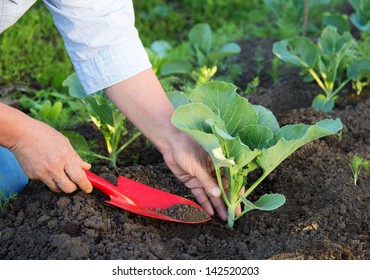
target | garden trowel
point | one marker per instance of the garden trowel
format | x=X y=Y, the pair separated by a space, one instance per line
x=147 y=201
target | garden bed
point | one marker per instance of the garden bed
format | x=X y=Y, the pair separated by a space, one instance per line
x=325 y=217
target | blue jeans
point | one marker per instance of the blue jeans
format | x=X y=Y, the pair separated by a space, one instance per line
x=12 y=177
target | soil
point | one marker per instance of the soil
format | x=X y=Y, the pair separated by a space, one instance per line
x=326 y=216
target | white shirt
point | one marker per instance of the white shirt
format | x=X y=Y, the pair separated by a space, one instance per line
x=100 y=37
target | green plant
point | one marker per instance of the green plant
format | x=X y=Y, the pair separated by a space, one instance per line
x=362 y=74
x=242 y=138
x=202 y=44
x=288 y=16
x=361 y=17
x=110 y=121
x=84 y=149
x=56 y=109
x=6 y=201
x=33 y=52
x=293 y=17
x=363 y=56
x=274 y=71
x=204 y=60
x=252 y=86
x=332 y=62
x=356 y=165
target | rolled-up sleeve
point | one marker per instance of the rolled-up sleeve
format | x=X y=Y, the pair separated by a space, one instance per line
x=101 y=40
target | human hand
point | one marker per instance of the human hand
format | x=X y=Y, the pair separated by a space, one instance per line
x=46 y=155
x=191 y=165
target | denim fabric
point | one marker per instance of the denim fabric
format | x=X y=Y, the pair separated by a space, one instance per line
x=12 y=177
x=100 y=38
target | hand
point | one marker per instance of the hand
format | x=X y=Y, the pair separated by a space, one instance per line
x=45 y=154
x=191 y=165
x=143 y=101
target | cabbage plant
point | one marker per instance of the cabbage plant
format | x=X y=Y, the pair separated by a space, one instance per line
x=106 y=117
x=361 y=17
x=332 y=62
x=241 y=138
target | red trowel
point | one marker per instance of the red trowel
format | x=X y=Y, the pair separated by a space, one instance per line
x=147 y=201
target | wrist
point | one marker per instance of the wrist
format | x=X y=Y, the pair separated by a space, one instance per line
x=13 y=125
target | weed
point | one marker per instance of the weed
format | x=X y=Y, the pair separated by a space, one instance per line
x=6 y=201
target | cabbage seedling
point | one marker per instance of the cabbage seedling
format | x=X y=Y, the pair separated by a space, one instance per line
x=356 y=164
x=361 y=17
x=332 y=63
x=240 y=138
x=110 y=121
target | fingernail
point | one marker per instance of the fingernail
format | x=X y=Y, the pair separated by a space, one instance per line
x=216 y=192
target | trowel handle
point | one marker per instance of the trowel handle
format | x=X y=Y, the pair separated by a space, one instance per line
x=100 y=183
x=111 y=190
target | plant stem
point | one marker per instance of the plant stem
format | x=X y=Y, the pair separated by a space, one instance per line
x=231 y=215
x=219 y=181
x=339 y=88
x=319 y=82
x=306 y=15
x=255 y=184
x=135 y=135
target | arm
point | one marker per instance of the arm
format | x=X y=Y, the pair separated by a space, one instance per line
x=42 y=152
x=111 y=56
x=143 y=100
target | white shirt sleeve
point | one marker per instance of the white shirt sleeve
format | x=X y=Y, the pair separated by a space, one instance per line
x=101 y=40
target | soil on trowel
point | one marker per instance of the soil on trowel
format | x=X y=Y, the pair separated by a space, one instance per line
x=186 y=213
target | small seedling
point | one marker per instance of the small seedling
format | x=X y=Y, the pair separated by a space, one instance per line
x=107 y=118
x=6 y=201
x=357 y=164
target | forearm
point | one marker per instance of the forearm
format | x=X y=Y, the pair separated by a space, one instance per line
x=13 y=124
x=144 y=102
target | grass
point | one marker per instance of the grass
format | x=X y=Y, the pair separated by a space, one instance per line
x=33 y=53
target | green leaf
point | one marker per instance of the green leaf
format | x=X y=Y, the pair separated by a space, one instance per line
x=176 y=66
x=332 y=42
x=361 y=17
x=233 y=148
x=103 y=110
x=177 y=98
x=78 y=142
x=230 y=48
x=299 y=51
x=200 y=36
x=266 y=118
x=294 y=137
x=338 y=21
x=56 y=110
x=322 y=103
x=75 y=88
x=256 y=137
x=222 y=99
x=160 y=47
x=360 y=22
x=192 y=119
x=359 y=69
x=266 y=202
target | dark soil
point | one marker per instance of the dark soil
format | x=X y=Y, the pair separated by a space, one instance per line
x=325 y=217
